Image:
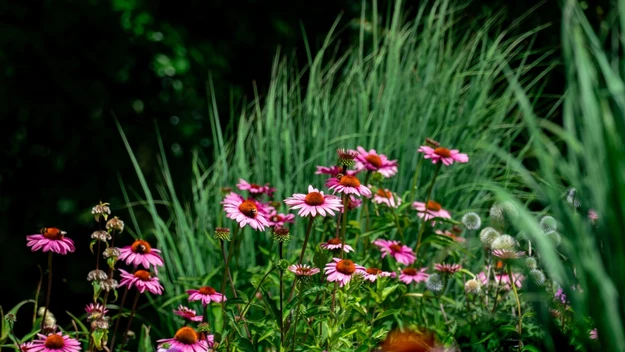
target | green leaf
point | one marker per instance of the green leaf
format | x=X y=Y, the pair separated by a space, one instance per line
x=93 y=242
x=111 y=262
x=6 y=327
x=387 y=291
x=79 y=323
x=97 y=289
x=99 y=336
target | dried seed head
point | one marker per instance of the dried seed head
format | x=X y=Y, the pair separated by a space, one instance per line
x=488 y=235
x=434 y=283
x=473 y=286
x=115 y=224
x=101 y=210
x=109 y=284
x=101 y=323
x=101 y=236
x=111 y=252
x=472 y=221
x=96 y=275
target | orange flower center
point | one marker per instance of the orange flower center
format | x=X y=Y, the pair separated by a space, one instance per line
x=334 y=241
x=314 y=199
x=383 y=193
x=303 y=270
x=350 y=181
x=434 y=206
x=52 y=233
x=373 y=271
x=410 y=271
x=207 y=290
x=143 y=275
x=55 y=342
x=248 y=208
x=346 y=267
x=253 y=185
x=443 y=152
x=374 y=160
x=141 y=247
x=186 y=335
x=395 y=247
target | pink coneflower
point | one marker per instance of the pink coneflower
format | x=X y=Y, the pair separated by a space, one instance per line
x=51 y=239
x=141 y=253
x=95 y=311
x=593 y=334
x=372 y=274
x=447 y=268
x=26 y=346
x=443 y=154
x=314 y=203
x=187 y=313
x=348 y=185
x=54 y=342
x=335 y=244
x=431 y=210
x=402 y=253
x=303 y=270
x=245 y=212
x=353 y=203
x=342 y=270
x=254 y=188
x=450 y=235
x=334 y=171
x=409 y=275
x=372 y=161
x=206 y=294
x=385 y=196
x=186 y=340
x=278 y=220
x=508 y=254
x=142 y=280
x=561 y=296
x=502 y=279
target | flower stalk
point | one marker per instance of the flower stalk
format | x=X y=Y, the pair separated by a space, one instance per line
x=427 y=199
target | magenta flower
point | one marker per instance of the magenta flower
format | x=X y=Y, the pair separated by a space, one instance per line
x=431 y=210
x=450 y=235
x=245 y=212
x=187 y=340
x=373 y=274
x=141 y=253
x=95 y=311
x=342 y=270
x=335 y=244
x=51 y=239
x=409 y=275
x=55 y=342
x=314 y=203
x=334 y=171
x=502 y=279
x=187 y=313
x=560 y=295
x=593 y=334
x=348 y=185
x=447 y=268
x=254 y=188
x=278 y=220
x=402 y=253
x=372 y=161
x=385 y=196
x=142 y=280
x=206 y=294
x=443 y=154
x=593 y=216
x=303 y=270
x=26 y=346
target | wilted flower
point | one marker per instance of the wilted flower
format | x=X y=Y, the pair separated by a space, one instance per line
x=348 y=185
x=472 y=221
x=434 y=283
x=187 y=313
x=372 y=161
x=504 y=242
x=314 y=203
x=446 y=156
x=141 y=253
x=548 y=223
x=342 y=270
x=55 y=342
x=115 y=224
x=245 y=212
x=101 y=210
x=95 y=311
x=488 y=235
x=51 y=239
x=187 y=340
x=279 y=220
x=538 y=277
x=335 y=244
x=101 y=235
x=561 y=296
x=142 y=280
x=96 y=275
x=430 y=210
x=472 y=286
x=409 y=275
x=400 y=252
x=206 y=294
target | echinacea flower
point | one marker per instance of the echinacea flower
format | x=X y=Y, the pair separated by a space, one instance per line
x=335 y=244
x=303 y=270
x=334 y=171
x=187 y=313
x=373 y=274
x=186 y=340
x=446 y=156
x=592 y=334
x=385 y=196
x=142 y=280
x=51 y=239
x=447 y=268
x=372 y=161
x=508 y=254
x=430 y=210
x=251 y=187
x=402 y=253
x=245 y=212
x=26 y=346
x=141 y=253
x=206 y=294
x=342 y=270
x=275 y=219
x=352 y=203
x=348 y=185
x=450 y=235
x=409 y=275
x=95 y=311
x=55 y=342
x=502 y=279
x=314 y=203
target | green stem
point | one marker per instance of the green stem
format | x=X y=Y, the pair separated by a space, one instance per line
x=132 y=314
x=37 y=294
x=230 y=252
x=427 y=199
x=45 y=311
x=366 y=206
x=118 y=318
x=413 y=189
x=299 y=304
x=301 y=256
x=255 y=292
x=399 y=229
x=281 y=315
x=344 y=227
x=518 y=302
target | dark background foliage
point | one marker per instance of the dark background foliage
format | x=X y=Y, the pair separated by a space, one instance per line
x=67 y=66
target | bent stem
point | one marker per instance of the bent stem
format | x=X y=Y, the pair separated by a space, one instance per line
x=299 y=304
x=45 y=311
x=516 y=296
x=425 y=215
x=132 y=314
